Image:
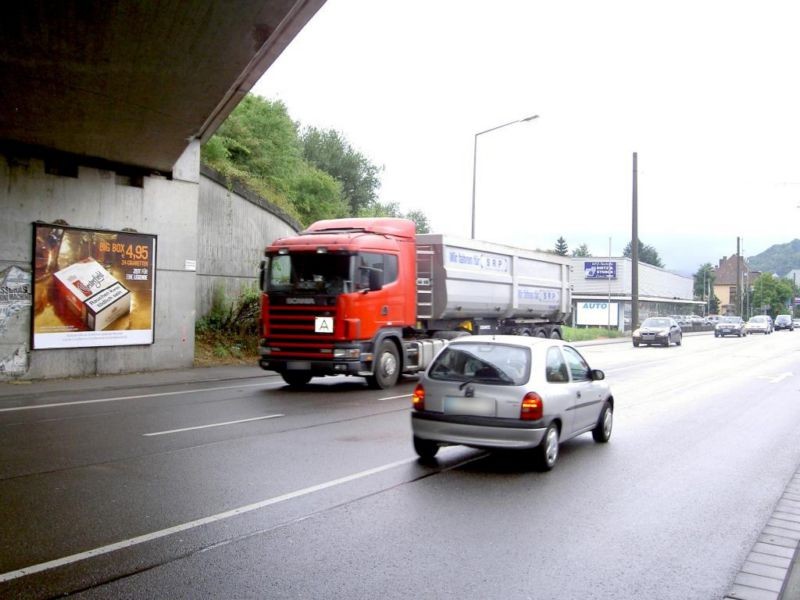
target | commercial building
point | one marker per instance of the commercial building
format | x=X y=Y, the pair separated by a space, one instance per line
x=601 y=293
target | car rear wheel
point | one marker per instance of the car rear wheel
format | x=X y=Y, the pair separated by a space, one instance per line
x=602 y=431
x=425 y=449
x=546 y=453
x=635 y=344
x=680 y=340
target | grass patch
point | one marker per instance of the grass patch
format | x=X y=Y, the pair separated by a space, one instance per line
x=213 y=348
x=583 y=334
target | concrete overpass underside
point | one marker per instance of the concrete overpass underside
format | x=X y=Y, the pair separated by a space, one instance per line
x=133 y=81
x=103 y=107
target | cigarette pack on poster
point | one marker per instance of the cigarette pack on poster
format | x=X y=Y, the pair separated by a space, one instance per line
x=93 y=294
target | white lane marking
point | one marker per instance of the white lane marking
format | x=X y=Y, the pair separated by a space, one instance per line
x=776 y=378
x=394 y=397
x=138 y=397
x=212 y=425
x=141 y=539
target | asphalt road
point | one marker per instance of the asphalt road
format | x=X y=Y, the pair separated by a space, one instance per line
x=151 y=491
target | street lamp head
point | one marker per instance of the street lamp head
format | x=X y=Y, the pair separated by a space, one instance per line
x=529 y=118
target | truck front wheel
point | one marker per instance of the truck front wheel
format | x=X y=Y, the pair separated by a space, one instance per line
x=386 y=367
x=296 y=378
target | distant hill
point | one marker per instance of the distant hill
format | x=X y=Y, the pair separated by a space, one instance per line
x=778 y=259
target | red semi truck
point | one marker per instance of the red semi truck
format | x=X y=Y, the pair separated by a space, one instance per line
x=369 y=297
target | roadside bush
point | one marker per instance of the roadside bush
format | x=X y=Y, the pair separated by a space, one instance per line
x=229 y=332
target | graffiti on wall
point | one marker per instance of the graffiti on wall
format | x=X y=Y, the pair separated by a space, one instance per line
x=15 y=295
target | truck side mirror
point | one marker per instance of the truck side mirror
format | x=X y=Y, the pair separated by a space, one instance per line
x=262 y=275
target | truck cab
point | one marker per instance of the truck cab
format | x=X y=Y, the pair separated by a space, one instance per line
x=336 y=299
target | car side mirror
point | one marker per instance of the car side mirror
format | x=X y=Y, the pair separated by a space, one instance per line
x=597 y=375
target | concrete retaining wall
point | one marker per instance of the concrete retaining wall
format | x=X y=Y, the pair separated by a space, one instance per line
x=234 y=227
x=99 y=199
x=200 y=222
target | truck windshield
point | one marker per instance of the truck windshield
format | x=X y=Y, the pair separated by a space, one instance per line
x=309 y=272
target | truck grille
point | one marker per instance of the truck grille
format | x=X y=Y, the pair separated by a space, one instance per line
x=291 y=332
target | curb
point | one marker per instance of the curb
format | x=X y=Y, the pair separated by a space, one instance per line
x=772 y=569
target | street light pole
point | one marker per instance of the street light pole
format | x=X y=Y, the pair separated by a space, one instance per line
x=475 y=161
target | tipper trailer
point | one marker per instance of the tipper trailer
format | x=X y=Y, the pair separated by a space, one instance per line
x=369 y=297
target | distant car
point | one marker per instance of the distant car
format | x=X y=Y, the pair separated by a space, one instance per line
x=784 y=322
x=658 y=330
x=509 y=392
x=796 y=322
x=759 y=324
x=696 y=320
x=729 y=325
x=712 y=319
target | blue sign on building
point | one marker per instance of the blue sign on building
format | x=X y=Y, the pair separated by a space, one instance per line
x=600 y=270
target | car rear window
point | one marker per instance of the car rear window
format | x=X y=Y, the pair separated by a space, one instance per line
x=497 y=364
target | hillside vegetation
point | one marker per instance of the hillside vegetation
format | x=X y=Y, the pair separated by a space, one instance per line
x=778 y=259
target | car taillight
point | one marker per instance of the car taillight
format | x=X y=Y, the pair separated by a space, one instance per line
x=532 y=407
x=418 y=397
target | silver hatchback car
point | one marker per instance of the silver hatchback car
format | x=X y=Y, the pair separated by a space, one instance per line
x=510 y=392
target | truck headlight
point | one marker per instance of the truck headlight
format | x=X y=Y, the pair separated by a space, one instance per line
x=346 y=352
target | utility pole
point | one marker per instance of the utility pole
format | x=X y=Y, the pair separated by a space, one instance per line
x=738 y=277
x=635 y=251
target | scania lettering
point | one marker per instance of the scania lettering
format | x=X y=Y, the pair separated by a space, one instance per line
x=368 y=297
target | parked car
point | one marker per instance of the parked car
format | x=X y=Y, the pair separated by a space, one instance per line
x=730 y=325
x=658 y=330
x=796 y=322
x=784 y=322
x=510 y=392
x=759 y=324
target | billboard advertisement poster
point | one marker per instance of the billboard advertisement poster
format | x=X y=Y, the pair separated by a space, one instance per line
x=600 y=270
x=597 y=313
x=92 y=287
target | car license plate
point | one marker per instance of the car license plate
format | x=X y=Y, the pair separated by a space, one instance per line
x=298 y=365
x=477 y=407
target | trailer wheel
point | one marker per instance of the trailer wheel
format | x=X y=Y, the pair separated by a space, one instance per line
x=554 y=335
x=386 y=368
x=541 y=333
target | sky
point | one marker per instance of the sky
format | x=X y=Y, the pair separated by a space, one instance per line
x=706 y=93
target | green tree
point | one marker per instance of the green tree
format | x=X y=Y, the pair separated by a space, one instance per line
x=704 y=286
x=647 y=254
x=713 y=304
x=420 y=220
x=561 y=247
x=259 y=146
x=392 y=209
x=582 y=251
x=329 y=151
x=771 y=294
x=316 y=195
